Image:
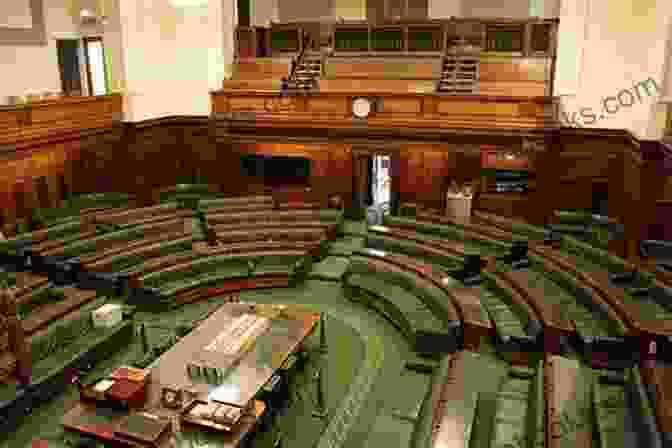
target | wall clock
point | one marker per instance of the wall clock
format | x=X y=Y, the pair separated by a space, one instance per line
x=361 y=107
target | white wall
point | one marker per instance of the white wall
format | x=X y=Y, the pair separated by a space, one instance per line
x=349 y=9
x=35 y=68
x=293 y=10
x=174 y=55
x=496 y=8
x=623 y=44
x=443 y=9
x=263 y=11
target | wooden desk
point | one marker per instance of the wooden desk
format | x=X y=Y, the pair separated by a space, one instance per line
x=87 y=419
x=254 y=369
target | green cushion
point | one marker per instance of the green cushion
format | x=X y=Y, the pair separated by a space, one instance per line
x=277 y=264
x=331 y=268
x=223 y=264
x=412 y=249
x=432 y=296
x=62 y=333
x=415 y=314
x=509 y=320
x=609 y=404
x=354 y=227
x=346 y=245
x=39 y=297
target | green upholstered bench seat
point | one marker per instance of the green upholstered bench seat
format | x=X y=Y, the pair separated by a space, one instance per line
x=425 y=331
x=60 y=344
x=423 y=364
x=410 y=248
x=331 y=216
x=437 y=232
x=594 y=255
x=509 y=320
x=330 y=268
x=95 y=200
x=432 y=296
x=125 y=260
x=346 y=245
x=351 y=227
x=280 y=264
x=233 y=266
x=38 y=297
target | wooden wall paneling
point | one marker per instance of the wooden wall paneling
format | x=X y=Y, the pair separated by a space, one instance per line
x=40 y=187
x=320 y=182
x=409 y=165
x=637 y=212
x=434 y=175
x=341 y=173
x=7 y=207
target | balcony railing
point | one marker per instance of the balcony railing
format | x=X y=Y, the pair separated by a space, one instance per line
x=517 y=38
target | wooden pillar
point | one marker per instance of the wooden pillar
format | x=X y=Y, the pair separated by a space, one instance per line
x=618 y=202
x=542 y=202
x=54 y=192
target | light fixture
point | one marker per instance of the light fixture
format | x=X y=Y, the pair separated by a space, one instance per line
x=89 y=18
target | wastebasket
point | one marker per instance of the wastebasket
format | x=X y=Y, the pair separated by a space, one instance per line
x=458 y=206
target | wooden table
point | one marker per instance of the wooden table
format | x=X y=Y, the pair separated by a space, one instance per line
x=80 y=419
x=254 y=369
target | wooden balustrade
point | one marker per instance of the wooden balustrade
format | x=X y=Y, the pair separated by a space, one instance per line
x=391 y=109
x=46 y=119
x=530 y=37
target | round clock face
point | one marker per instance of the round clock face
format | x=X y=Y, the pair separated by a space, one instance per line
x=361 y=107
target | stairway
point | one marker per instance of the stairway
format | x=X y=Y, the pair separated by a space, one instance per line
x=459 y=74
x=308 y=72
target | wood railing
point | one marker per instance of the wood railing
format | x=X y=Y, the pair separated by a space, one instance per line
x=391 y=109
x=31 y=122
x=519 y=38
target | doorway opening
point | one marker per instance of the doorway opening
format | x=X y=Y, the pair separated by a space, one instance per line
x=380 y=183
x=68 y=66
x=94 y=54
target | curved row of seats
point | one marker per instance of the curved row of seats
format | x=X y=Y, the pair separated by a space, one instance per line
x=596 y=302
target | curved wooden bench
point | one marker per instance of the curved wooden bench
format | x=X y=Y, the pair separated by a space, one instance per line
x=308 y=225
x=425 y=331
x=143 y=215
x=114 y=242
x=266 y=280
x=610 y=295
x=659 y=378
x=271 y=234
x=470 y=228
x=416 y=249
x=476 y=323
x=454 y=248
x=553 y=263
x=272 y=216
x=379 y=263
x=557 y=330
x=202 y=248
x=142 y=248
x=158 y=263
x=178 y=267
x=44 y=315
